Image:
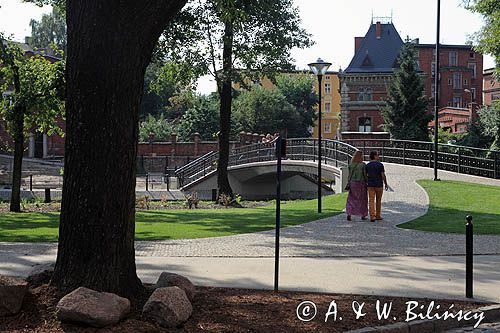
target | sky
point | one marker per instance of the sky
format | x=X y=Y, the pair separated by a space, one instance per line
x=333 y=24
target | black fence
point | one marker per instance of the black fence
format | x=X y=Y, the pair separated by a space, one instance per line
x=460 y=159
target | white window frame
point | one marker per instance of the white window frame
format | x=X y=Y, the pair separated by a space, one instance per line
x=328 y=88
x=365 y=128
x=328 y=128
x=473 y=66
x=457 y=80
x=453 y=55
x=328 y=107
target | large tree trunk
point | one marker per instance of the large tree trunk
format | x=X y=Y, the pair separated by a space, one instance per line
x=18 y=128
x=225 y=93
x=110 y=43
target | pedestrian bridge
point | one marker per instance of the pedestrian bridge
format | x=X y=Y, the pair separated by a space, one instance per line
x=252 y=170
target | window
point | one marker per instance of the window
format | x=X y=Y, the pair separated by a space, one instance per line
x=453 y=59
x=327 y=88
x=465 y=82
x=457 y=81
x=473 y=94
x=433 y=92
x=327 y=77
x=364 y=124
x=328 y=127
x=361 y=94
x=457 y=101
x=472 y=55
x=328 y=107
x=433 y=69
x=368 y=94
x=450 y=82
x=473 y=67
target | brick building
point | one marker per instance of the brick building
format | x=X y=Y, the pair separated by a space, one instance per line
x=491 y=87
x=365 y=82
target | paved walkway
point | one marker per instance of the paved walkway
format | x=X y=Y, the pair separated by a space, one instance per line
x=330 y=255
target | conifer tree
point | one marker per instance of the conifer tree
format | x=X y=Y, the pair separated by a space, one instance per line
x=406 y=116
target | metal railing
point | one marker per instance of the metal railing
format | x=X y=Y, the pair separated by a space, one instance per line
x=460 y=159
x=335 y=153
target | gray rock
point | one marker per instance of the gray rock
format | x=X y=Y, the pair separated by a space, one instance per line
x=38 y=269
x=93 y=308
x=12 y=292
x=175 y=280
x=169 y=307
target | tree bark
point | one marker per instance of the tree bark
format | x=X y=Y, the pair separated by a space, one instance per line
x=225 y=93
x=18 y=128
x=110 y=43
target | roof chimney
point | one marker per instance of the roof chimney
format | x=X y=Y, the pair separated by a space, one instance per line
x=357 y=43
x=378 y=30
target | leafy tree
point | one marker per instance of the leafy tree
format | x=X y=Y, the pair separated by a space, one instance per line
x=489 y=118
x=50 y=30
x=298 y=91
x=267 y=111
x=488 y=38
x=159 y=127
x=168 y=89
x=110 y=44
x=35 y=102
x=217 y=36
x=203 y=117
x=406 y=116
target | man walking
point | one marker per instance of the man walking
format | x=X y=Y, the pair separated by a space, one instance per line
x=376 y=183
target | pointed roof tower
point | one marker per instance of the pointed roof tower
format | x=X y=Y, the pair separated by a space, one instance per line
x=379 y=50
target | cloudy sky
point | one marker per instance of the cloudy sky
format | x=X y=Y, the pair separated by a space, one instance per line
x=333 y=24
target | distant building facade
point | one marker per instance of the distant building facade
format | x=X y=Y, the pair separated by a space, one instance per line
x=365 y=82
x=491 y=87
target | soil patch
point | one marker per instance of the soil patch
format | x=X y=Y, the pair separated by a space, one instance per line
x=229 y=310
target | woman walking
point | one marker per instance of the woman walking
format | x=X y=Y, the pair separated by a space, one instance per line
x=357 y=200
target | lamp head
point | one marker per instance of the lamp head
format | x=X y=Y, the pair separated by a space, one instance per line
x=319 y=67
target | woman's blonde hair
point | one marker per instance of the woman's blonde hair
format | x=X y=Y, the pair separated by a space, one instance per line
x=357 y=157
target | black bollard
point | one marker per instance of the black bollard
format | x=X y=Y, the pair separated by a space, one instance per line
x=214 y=194
x=31 y=183
x=469 y=253
x=47 y=195
x=147 y=182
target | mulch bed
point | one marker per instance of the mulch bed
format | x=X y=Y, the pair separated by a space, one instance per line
x=224 y=310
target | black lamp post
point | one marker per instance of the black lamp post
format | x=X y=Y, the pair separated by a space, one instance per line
x=436 y=93
x=319 y=68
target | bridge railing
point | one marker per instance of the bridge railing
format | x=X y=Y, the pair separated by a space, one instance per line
x=335 y=153
x=197 y=168
x=461 y=159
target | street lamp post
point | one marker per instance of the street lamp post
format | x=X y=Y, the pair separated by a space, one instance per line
x=471 y=110
x=319 y=68
x=436 y=93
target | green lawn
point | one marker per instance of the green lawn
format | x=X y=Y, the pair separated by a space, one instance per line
x=178 y=224
x=451 y=201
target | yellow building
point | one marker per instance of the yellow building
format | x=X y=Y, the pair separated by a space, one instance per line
x=330 y=102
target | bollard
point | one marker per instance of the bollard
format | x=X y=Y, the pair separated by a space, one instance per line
x=147 y=182
x=214 y=195
x=469 y=252
x=31 y=183
x=47 y=195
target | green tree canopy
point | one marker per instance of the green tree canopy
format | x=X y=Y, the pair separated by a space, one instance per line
x=217 y=36
x=50 y=30
x=202 y=118
x=406 y=116
x=487 y=40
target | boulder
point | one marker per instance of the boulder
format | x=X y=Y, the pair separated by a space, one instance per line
x=41 y=274
x=175 y=280
x=12 y=292
x=169 y=307
x=93 y=308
